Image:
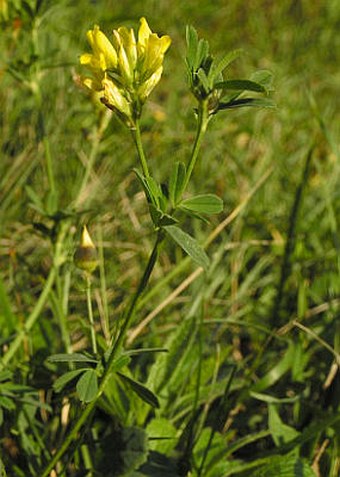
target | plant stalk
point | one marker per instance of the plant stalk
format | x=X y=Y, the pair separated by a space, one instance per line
x=136 y=134
x=90 y=312
x=85 y=415
x=203 y=119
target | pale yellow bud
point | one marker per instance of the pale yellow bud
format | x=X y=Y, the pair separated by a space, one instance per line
x=85 y=256
x=102 y=47
x=145 y=89
x=114 y=99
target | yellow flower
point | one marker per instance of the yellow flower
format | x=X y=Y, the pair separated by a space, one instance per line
x=104 y=57
x=114 y=99
x=127 y=53
x=125 y=71
x=4 y=9
x=151 y=50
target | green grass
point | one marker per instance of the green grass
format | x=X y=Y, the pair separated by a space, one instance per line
x=246 y=371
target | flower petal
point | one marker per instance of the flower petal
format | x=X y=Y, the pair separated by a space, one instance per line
x=114 y=99
x=93 y=84
x=144 y=32
x=103 y=50
x=147 y=86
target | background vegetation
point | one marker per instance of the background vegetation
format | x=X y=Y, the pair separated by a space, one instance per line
x=250 y=383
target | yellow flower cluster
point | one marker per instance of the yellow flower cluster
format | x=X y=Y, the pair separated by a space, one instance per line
x=126 y=70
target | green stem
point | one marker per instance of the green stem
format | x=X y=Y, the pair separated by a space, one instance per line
x=220 y=416
x=130 y=313
x=104 y=121
x=106 y=323
x=194 y=419
x=35 y=86
x=291 y=240
x=203 y=119
x=136 y=134
x=90 y=312
x=89 y=166
x=183 y=264
x=87 y=459
x=49 y=166
x=55 y=299
x=36 y=90
x=16 y=344
x=61 y=312
x=85 y=415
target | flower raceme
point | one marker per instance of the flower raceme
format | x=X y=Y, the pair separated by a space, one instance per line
x=126 y=70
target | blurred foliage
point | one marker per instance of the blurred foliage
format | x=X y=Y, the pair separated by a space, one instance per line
x=243 y=389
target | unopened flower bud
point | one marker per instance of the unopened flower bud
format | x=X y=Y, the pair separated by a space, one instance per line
x=86 y=257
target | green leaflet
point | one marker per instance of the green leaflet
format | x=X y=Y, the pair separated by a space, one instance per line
x=242 y=85
x=176 y=183
x=281 y=368
x=281 y=433
x=225 y=62
x=71 y=358
x=250 y=102
x=61 y=382
x=162 y=435
x=285 y=466
x=142 y=391
x=203 y=204
x=87 y=386
x=189 y=245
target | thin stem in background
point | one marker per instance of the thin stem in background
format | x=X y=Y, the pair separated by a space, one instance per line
x=37 y=93
x=221 y=412
x=58 y=311
x=103 y=288
x=318 y=339
x=59 y=298
x=87 y=412
x=51 y=205
x=285 y=272
x=290 y=242
x=90 y=312
x=193 y=423
x=35 y=313
x=87 y=459
x=104 y=121
x=17 y=342
x=49 y=166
